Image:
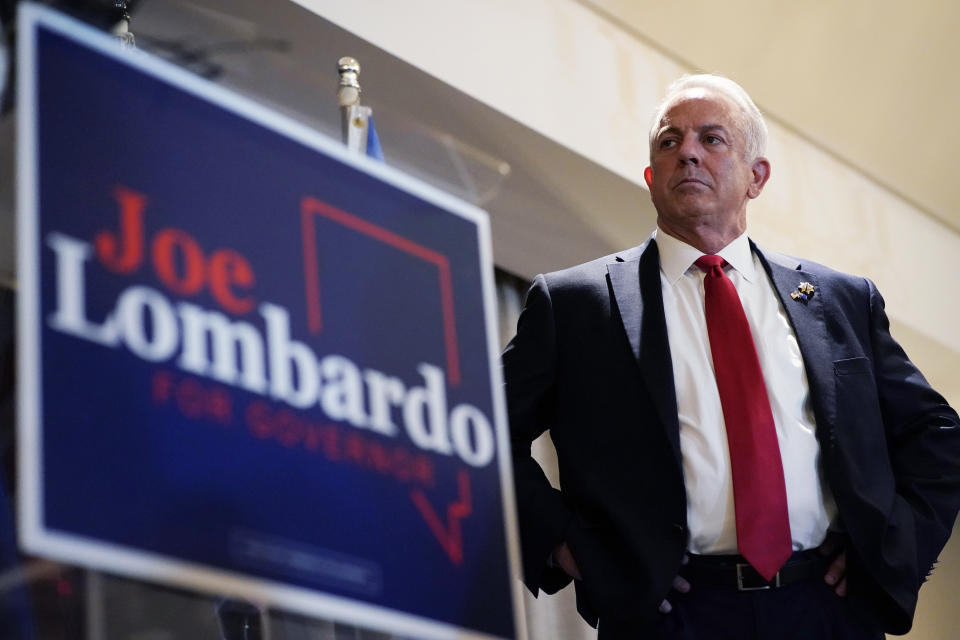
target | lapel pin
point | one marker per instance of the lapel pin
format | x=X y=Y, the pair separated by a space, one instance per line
x=803 y=293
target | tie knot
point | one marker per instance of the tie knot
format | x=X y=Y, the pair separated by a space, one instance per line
x=709 y=262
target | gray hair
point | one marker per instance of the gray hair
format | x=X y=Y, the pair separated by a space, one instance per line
x=751 y=121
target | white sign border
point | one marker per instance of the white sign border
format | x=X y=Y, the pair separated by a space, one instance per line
x=34 y=537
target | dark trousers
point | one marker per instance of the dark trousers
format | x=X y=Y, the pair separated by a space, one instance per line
x=800 y=611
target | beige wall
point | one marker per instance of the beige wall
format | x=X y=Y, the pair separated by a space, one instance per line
x=567 y=73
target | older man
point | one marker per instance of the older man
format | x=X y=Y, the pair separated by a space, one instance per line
x=745 y=451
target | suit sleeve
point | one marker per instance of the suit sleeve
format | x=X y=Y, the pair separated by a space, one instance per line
x=923 y=439
x=530 y=373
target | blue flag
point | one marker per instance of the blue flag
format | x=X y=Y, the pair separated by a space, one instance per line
x=373 y=141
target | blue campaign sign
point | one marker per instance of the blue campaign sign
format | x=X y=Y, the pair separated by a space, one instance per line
x=251 y=363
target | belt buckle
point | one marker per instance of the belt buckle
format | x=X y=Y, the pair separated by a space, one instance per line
x=740 y=587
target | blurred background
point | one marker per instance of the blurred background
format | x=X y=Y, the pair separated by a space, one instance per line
x=538 y=111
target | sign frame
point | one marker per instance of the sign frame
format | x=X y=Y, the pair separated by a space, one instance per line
x=35 y=537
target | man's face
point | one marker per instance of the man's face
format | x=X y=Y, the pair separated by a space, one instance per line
x=698 y=172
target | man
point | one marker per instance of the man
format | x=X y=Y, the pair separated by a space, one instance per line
x=744 y=450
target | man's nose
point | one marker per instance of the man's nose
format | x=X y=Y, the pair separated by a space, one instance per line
x=689 y=152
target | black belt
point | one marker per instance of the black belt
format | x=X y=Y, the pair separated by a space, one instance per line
x=733 y=572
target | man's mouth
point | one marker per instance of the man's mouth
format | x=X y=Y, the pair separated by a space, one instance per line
x=690 y=180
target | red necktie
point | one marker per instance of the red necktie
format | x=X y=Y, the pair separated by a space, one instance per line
x=759 y=491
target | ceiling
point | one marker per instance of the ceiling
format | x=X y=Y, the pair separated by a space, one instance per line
x=873 y=82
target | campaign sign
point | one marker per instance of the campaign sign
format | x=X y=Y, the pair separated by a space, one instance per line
x=251 y=362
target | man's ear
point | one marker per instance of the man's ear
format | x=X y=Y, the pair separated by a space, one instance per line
x=648 y=176
x=760 y=174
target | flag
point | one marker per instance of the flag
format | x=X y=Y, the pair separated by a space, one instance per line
x=373 y=141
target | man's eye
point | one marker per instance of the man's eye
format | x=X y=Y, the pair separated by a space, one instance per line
x=666 y=144
x=712 y=139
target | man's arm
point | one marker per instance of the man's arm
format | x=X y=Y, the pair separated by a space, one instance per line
x=530 y=370
x=923 y=440
x=894 y=465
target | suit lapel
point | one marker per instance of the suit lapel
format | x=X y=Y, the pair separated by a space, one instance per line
x=636 y=287
x=810 y=327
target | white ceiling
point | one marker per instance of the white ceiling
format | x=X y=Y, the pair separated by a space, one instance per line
x=874 y=82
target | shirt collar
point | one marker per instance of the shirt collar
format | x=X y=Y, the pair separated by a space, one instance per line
x=676 y=256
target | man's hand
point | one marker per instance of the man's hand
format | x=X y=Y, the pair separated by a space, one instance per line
x=679 y=584
x=836 y=573
x=564 y=559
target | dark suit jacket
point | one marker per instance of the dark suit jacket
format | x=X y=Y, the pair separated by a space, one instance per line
x=591 y=363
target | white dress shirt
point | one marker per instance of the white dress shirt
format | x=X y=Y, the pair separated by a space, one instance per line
x=703 y=440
